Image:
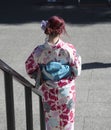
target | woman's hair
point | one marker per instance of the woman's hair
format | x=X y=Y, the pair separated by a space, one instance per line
x=55 y=26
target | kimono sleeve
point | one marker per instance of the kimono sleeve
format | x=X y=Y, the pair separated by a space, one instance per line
x=74 y=61
x=31 y=66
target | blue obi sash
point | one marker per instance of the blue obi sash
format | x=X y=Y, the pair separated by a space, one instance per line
x=55 y=71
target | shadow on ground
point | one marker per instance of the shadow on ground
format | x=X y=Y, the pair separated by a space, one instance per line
x=95 y=65
x=19 y=14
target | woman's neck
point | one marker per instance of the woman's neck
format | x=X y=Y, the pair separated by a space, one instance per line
x=53 y=39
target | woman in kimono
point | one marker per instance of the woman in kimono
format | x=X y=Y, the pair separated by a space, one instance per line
x=55 y=65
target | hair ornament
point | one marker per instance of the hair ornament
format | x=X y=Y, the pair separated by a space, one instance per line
x=43 y=24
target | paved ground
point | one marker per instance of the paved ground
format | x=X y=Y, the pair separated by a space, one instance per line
x=89 y=29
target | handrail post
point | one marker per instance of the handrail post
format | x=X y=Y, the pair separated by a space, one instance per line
x=42 y=116
x=9 y=101
x=28 y=104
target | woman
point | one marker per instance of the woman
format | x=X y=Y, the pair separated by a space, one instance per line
x=56 y=65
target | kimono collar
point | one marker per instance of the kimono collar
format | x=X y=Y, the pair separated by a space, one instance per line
x=50 y=45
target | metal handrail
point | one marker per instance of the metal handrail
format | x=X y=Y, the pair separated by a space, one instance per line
x=17 y=76
x=9 y=74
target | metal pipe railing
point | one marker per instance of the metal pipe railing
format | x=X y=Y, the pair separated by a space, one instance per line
x=9 y=74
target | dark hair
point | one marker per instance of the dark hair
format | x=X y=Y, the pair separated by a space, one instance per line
x=55 y=26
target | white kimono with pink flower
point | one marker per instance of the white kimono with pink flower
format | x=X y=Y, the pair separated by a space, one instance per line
x=58 y=97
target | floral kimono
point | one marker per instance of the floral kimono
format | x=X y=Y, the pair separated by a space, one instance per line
x=58 y=96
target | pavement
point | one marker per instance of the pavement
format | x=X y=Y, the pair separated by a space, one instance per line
x=89 y=29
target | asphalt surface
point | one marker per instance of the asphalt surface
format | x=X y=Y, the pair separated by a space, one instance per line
x=89 y=29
